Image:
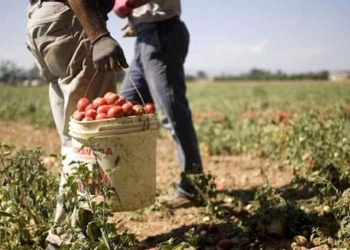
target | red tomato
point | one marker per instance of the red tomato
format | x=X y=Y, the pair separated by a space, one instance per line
x=78 y=115
x=213 y=228
x=111 y=97
x=87 y=118
x=91 y=106
x=138 y=109
x=82 y=103
x=108 y=94
x=127 y=108
x=150 y=109
x=201 y=227
x=115 y=112
x=101 y=116
x=121 y=100
x=99 y=101
x=103 y=109
x=225 y=244
x=91 y=113
x=222 y=186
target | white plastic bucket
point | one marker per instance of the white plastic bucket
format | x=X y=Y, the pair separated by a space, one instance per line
x=127 y=146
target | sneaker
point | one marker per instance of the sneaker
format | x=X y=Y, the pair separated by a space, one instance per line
x=176 y=200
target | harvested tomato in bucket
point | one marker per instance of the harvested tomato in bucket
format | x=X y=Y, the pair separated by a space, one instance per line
x=126 y=144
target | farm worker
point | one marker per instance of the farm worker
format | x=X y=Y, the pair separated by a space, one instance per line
x=157 y=70
x=70 y=43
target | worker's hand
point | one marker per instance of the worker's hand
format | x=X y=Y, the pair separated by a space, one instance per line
x=122 y=8
x=129 y=32
x=107 y=54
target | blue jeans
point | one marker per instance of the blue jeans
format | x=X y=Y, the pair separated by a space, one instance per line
x=158 y=72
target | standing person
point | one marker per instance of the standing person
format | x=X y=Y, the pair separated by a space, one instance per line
x=76 y=55
x=157 y=70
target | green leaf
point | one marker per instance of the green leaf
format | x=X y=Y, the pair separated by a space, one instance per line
x=3 y=213
x=102 y=246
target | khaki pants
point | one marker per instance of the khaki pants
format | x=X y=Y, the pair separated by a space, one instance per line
x=63 y=55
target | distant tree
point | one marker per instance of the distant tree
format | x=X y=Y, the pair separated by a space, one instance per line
x=8 y=72
x=11 y=74
x=227 y=77
x=190 y=78
x=201 y=74
x=34 y=73
x=322 y=75
x=259 y=74
x=280 y=75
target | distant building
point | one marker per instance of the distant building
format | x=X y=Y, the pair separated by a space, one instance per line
x=339 y=76
x=36 y=82
x=26 y=83
x=32 y=82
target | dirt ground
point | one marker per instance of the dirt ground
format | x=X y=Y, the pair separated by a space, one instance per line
x=158 y=224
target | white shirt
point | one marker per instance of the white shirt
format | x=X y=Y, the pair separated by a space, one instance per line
x=155 y=11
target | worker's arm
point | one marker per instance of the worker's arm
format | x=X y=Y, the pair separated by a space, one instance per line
x=106 y=52
x=124 y=7
x=89 y=16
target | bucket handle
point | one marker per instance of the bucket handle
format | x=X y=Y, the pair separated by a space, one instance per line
x=128 y=75
x=138 y=92
x=92 y=79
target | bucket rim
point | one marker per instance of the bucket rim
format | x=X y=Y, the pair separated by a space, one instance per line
x=104 y=134
x=123 y=119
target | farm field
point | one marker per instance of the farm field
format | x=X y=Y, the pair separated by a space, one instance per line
x=276 y=154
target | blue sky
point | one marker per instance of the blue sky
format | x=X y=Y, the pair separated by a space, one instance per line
x=230 y=36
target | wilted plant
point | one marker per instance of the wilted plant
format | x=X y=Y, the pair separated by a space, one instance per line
x=208 y=195
x=88 y=191
x=27 y=193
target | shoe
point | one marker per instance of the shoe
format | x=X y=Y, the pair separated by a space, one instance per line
x=176 y=200
x=51 y=247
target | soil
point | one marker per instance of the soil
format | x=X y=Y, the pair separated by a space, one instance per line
x=157 y=224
